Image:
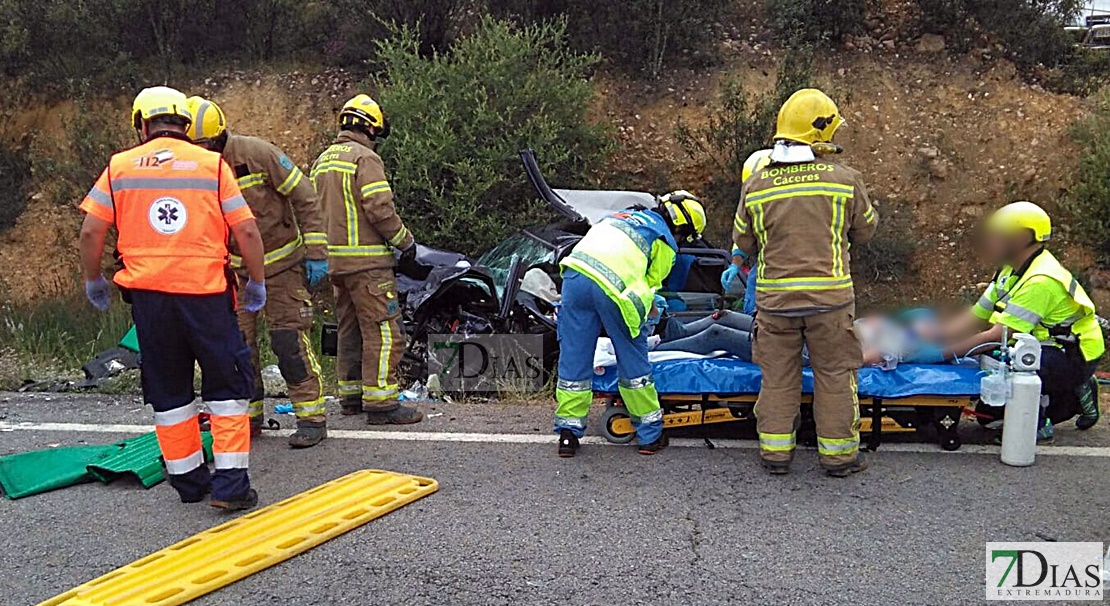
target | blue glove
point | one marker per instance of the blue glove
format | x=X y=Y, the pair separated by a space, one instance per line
x=660 y=305
x=315 y=270
x=98 y=291
x=255 y=293
x=927 y=354
x=729 y=275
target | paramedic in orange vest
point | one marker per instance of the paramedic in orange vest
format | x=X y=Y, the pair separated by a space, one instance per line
x=173 y=204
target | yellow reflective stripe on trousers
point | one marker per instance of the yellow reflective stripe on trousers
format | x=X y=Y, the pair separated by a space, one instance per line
x=290 y=183
x=274 y=255
x=308 y=351
x=383 y=355
x=256 y=408
x=313 y=408
x=777 y=442
x=251 y=180
x=837 y=446
x=351 y=212
x=350 y=388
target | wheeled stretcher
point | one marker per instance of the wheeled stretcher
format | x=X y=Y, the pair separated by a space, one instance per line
x=927 y=398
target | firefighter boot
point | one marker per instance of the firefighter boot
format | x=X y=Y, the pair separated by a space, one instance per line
x=1088 y=402
x=847 y=469
x=393 y=414
x=308 y=434
x=350 y=406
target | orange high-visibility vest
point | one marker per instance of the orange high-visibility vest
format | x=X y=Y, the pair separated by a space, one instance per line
x=172 y=203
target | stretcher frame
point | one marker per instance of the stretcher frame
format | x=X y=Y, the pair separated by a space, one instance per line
x=878 y=416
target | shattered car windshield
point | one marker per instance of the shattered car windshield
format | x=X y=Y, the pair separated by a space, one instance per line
x=530 y=250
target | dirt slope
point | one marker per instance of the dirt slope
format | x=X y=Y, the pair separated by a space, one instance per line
x=946 y=139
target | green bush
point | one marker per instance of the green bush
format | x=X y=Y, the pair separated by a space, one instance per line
x=815 y=21
x=741 y=123
x=1031 y=31
x=635 y=35
x=460 y=119
x=15 y=179
x=1089 y=196
x=1084 y=73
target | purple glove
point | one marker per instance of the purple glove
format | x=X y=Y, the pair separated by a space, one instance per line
x=98 y=291
x=255 y=298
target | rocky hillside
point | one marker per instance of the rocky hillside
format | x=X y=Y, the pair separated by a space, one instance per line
x=942 y=139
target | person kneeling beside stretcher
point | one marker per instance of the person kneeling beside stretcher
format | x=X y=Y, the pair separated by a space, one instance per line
x=609 y=281
x=1033 y=293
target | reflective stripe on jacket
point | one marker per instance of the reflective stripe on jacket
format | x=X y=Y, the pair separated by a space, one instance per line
x=802 y=219
x=628 y=255
x=282 y=199
x=171 y=202
x=1029 y=302
x=363 y=226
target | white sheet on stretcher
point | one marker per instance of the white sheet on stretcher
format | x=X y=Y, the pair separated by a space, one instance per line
x=604 y=356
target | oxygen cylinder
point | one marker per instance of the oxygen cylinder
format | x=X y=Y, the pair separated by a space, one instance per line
x=1019 y=432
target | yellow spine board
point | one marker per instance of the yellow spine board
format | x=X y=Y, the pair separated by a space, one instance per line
x=222 y=555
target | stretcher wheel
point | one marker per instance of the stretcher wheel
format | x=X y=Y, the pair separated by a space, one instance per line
x=950 y=443
x=614 y=413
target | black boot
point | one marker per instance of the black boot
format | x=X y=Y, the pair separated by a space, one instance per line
x=659 y=444
x=308 y=434
x=568 y=443
x=1088 y=403
x=350 y=406
x=775 y=468
x=398 y=415
x=847 y=469
x=245 y=502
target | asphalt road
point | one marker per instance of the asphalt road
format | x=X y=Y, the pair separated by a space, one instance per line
x=513 y=524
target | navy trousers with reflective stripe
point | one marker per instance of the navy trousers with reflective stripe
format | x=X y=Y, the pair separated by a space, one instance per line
x=175 y=332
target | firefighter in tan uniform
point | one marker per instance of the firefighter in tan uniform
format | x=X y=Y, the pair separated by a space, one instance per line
x=290 y=219
x=801 y=213
x=363 y=231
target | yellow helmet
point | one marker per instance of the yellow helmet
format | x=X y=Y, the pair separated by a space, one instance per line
x=1017 y=216
x=809 y=116
x=684 y=209
x=159 y=101
x=208 y=120
x=755 y=162
x=364 y=112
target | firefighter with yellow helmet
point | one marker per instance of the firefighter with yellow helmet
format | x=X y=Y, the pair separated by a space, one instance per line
x=610 y=278
x=801 y=213
x=1033 y=293
x=292 y=225
x=364 y=230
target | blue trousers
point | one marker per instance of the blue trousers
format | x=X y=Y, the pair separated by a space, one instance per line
x=584 y=312
x=175 y=333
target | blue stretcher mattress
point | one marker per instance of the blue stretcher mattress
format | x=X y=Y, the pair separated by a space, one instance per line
x=730 y=376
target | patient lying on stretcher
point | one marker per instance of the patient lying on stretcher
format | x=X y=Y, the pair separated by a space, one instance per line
x=887 y=340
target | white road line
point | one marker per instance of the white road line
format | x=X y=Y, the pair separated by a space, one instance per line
x=521 y=438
